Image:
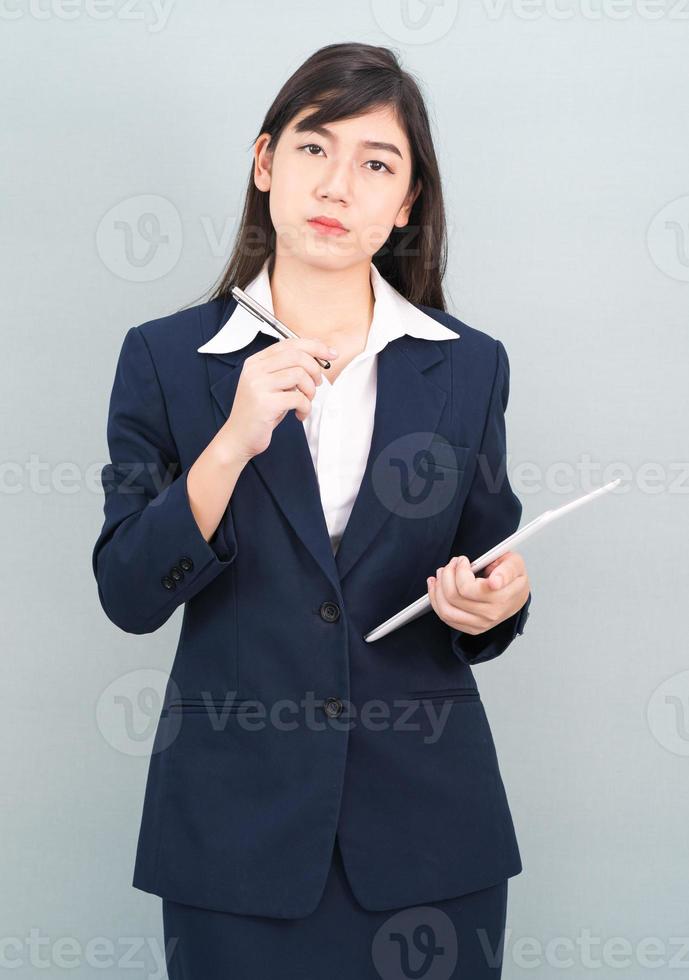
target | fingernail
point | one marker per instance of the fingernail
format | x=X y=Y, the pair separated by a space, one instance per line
x=332 y=351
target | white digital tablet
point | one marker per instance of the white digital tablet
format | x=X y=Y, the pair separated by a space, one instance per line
x=423 y=603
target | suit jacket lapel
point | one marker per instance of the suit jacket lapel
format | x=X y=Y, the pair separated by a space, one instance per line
x=408 y=408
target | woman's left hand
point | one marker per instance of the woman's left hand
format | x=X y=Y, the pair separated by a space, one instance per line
x=475 y=603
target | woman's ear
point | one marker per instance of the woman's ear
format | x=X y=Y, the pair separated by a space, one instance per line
x=404 y=212
x=263 y=162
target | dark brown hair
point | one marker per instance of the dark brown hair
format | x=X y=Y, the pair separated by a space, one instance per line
x=342 y=81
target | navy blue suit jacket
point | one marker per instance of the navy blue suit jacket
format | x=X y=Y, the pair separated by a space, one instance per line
x=281 y=725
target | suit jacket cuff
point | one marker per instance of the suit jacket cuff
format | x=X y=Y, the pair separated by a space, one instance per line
x=485 y=646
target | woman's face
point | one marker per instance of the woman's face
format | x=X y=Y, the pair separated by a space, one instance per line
x=358 y=172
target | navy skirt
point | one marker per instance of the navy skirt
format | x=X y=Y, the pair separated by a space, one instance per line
x=340 y=940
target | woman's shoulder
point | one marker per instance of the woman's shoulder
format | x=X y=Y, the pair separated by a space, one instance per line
x=172 y=335
x=476 y=342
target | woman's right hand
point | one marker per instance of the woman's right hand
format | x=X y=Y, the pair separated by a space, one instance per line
x=273 y=381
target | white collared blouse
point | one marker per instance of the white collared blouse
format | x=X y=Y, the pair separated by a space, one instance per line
x=340 y=425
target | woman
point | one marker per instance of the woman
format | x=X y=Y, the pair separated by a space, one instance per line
x=315 y=803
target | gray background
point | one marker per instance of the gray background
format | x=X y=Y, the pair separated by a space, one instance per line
x=562 y=136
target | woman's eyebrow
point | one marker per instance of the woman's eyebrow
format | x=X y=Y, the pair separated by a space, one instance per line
x=304 y=127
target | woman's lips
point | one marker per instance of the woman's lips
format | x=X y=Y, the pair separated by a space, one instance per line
x=327 y=229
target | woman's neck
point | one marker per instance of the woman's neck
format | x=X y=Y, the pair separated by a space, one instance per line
x=335 y=306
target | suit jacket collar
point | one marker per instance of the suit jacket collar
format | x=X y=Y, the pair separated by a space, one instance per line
x=393 y=316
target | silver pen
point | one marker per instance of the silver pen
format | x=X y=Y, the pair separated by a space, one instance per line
x=261 y=313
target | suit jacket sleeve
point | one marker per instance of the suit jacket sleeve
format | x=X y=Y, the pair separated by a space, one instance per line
x=492 y=511
x=149 y=527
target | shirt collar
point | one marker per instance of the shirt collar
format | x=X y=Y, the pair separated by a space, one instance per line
x=393 y=316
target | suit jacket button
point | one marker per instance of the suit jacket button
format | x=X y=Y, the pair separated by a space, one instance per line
x=176 y=573
x=330 y=612
x=332 y=707
x=186 y=564
x=168 y=582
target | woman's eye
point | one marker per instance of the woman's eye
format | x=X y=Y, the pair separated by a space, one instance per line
x=312 y=146
x=382 y=165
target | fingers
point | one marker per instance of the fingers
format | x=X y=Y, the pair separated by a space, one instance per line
x=505 y=569
x=289 y=378
x=282 y=401
x=291 y=366
x=497 y=574
x=472 y=592
x=292 y=359
x=473 y=603
x=297 y=351
x=449 y=605
x=459 y=581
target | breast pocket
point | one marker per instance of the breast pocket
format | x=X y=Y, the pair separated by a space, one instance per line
x=450 y=456
x=440 y=480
